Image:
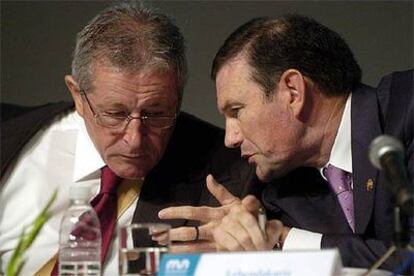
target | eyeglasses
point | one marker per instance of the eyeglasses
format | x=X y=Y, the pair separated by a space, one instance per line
x=121 y=120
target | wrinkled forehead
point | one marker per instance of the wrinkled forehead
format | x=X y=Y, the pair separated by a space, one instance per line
x=101 y=69
x=154 y=86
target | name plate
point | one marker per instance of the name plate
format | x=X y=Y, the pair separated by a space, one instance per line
x=271 y=263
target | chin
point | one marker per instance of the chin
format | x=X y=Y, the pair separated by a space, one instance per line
x=130 y=171
x=131 y=168
x=131 y=174
x=268 y=174
x=263 y=176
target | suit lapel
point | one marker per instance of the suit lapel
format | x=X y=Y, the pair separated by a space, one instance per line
x=365 y=125
x=303 y=199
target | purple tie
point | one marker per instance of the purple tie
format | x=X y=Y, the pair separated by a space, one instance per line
x=340 y=183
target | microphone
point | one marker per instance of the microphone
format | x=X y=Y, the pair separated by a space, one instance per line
x=386 y=153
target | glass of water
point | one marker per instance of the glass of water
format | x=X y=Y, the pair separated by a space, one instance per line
x=141 y=247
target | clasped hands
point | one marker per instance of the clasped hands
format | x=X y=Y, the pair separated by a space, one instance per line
x=233 y=226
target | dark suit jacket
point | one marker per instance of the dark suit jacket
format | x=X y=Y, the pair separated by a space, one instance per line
x=196 y=149
x=303 y=199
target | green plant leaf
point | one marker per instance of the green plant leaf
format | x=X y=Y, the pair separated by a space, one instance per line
x=15 y=260
x=26 y=238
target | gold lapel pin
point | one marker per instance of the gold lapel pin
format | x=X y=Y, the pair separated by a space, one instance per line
x=370 y=185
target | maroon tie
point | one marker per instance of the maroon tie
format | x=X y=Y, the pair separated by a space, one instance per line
x=105 y=205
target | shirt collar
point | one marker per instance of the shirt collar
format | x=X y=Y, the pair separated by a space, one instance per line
x=88 y=161
x=341 y=153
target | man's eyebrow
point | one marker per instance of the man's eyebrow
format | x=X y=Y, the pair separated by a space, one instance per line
x=223 y=108
x=109 y=104
x=229 y=105
x=157 y=102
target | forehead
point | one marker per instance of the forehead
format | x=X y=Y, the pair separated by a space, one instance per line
x=235 y=85
x=112 y=83
x=105 y=75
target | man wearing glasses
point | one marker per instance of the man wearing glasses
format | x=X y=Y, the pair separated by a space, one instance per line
x=128 y=73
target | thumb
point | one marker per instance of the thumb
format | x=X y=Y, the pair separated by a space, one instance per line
x=219 y=192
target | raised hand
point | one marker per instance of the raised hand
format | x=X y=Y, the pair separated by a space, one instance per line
x=186 y=239
x=239 y=230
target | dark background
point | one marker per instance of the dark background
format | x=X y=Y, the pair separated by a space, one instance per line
x=37 y=39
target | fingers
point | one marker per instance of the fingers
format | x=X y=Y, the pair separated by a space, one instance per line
x=219 y=192
x=203 y=213
x=188 y=233
x=239 y=230
x=161 y=238
x=243 y=229
x=183 y=234
x=225 y=241
x=253 y=233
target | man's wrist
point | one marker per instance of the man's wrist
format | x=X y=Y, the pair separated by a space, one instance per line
x=283 y=235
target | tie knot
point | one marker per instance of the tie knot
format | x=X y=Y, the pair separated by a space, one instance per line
x=338 y=179
x=109 y=181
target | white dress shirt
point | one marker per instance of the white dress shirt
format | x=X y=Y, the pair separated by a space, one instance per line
x=340 y=157
x=56 y=158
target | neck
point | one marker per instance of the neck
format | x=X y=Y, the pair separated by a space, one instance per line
x=328 y=119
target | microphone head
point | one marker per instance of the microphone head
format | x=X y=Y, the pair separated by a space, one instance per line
x=381 y=146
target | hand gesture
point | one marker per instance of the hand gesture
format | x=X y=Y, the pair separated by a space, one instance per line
x=200 y=238
x=239 y=230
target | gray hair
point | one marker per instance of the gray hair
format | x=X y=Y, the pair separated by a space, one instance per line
x=130 y=38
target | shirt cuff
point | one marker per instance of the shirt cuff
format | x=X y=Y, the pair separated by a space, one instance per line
x=298 y=239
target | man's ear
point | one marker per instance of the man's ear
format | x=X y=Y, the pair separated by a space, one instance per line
x=295 y=86
x=75 y=92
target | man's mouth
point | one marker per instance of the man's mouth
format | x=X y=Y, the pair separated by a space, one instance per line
x=137 y=155
x=248 y=157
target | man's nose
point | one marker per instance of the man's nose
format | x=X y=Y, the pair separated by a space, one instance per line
x=234 y=137
x=134 y=132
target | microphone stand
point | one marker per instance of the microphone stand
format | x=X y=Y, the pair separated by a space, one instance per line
x=387 y=153
x=401 y=235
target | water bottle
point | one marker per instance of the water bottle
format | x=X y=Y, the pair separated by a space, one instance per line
x=80 y=236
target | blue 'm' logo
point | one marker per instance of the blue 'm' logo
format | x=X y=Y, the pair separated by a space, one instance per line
x=178 y=265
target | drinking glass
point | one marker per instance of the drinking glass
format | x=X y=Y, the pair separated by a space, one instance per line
x=141 y=247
